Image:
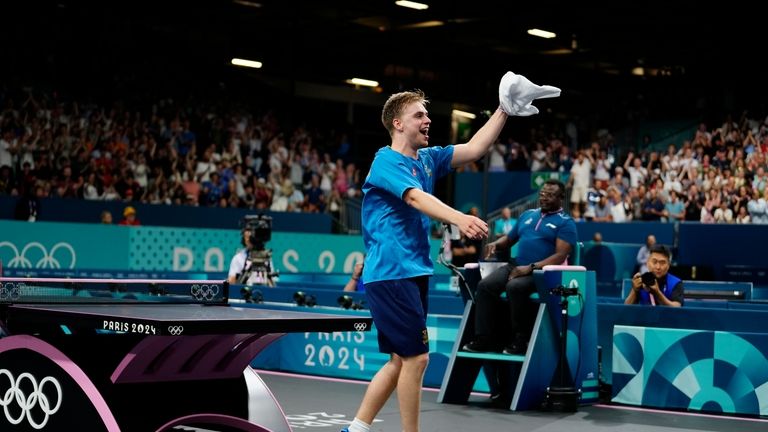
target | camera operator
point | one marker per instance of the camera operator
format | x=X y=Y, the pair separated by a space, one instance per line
x=657 y=287
x=253 y=264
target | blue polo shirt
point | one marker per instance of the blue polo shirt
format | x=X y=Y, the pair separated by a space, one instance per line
x=396 y=235
x=536 y=234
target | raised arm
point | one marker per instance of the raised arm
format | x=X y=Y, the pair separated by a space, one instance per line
x=630 y=158
x=481 y=142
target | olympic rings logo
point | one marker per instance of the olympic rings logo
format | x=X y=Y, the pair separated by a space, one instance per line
x=36 y=398
x=204 y=292
x=175 y=330
x=12 y=291
x=361 y=326
x=47 y=260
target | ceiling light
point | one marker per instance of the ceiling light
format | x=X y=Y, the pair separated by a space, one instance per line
x=558 y=51
x=423 y=24
x=464 y=114
x=248 y=3
x=541 y=33
x=412 y=4
x=362 y=82
x=246 y=63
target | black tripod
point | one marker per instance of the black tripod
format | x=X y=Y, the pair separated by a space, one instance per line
x=563 y=396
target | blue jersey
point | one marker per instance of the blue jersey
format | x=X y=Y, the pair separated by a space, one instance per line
x=536 y=234
x=667 y=289
x=396 y=235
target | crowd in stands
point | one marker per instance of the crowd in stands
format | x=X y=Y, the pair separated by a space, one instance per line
x=170 y=153
x=718 y=176
x=207 y=155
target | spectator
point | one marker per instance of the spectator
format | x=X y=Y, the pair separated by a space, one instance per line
x=579 y=183
x=314 y=198
x=7 y=183
x=498 y=153
x=538 y=158
x=618 y=181
x=743 y=217
x=723 y=214
x=106 y=217
x=758 y=209
x=603 y=209
x=8 y=148
x=503 y=224
x=674 y=209
x=644 y=253
x=129 y=217
x=518 y=158
x=692 y=200
x=563 y=160
x=262 y=194
x=602 y=169
x=653 y=206
x=621 y=209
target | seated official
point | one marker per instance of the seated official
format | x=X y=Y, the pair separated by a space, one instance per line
x=657 y=287
x=545 y=236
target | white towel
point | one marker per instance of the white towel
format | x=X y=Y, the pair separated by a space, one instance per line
x=516 y=93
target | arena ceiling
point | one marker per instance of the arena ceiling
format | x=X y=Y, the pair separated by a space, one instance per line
x=596 y=48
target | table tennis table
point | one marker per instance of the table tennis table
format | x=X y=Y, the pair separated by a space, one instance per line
x=106 y=355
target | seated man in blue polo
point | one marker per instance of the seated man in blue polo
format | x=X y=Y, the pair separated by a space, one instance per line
x=657 y=287
x=545 y=236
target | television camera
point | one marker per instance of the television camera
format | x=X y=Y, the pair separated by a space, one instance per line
x=258 y=268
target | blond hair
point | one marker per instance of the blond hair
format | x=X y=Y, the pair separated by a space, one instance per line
x=394 y=106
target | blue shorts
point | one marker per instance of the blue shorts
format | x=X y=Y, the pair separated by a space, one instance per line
x=399 y=311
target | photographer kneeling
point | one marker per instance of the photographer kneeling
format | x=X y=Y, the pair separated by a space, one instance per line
x=657 y=286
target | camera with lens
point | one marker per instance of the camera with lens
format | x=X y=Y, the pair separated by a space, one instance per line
x=348 y=302
x=258 y=267
x=648 y=279
x=303 y=299
x=252 y=295
x=260 y=228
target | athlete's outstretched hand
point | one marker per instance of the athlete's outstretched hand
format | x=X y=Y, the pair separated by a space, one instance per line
x=473 y=227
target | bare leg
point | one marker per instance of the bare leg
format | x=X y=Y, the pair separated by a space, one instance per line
x=380 y=389
x=409 y=390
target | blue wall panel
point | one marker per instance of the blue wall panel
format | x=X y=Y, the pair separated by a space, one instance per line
x=722 y=246
x=697 y=370
x=85 y=211
x=634 y=232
